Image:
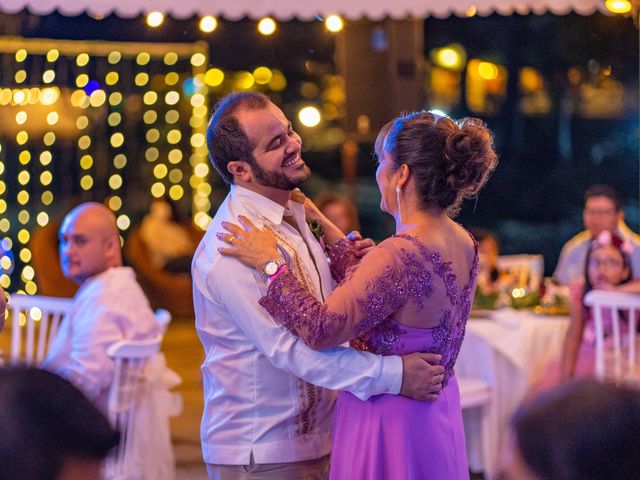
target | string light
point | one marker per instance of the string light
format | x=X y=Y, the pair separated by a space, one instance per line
x=334 y=23
x=208 y=24
x=267 y=26
x=155 y=19
x=99 y=87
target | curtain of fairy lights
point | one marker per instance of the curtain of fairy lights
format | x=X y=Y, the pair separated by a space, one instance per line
x=103 y=121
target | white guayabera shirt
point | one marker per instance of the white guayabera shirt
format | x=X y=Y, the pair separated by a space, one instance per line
x=107 y=308
x=259 y=379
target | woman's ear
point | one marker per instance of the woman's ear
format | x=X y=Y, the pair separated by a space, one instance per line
x=405 y=173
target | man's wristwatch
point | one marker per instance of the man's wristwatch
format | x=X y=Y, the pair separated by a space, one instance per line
x=271 y=267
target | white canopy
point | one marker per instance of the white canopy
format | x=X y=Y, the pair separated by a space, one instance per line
x=303 y=9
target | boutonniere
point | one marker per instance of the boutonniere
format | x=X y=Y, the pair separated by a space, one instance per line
x=316 y=229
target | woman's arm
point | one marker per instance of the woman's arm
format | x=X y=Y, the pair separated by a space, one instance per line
x=374 y=291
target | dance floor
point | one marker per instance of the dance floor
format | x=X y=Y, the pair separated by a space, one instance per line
x=185 y=355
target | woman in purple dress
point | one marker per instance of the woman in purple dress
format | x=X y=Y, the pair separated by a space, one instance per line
x=411 y=293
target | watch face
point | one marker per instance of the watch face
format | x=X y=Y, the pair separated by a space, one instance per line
x=271 y=267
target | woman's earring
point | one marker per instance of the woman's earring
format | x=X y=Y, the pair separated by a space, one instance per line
x=398 y=191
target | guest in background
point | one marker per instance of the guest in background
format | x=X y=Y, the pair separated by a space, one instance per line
x=109 y=306
x=488 y=252
x=168 y=242
x=49 y=430
x=340 y=210
x=602 y=212
x=607 y=267
x=583 y=430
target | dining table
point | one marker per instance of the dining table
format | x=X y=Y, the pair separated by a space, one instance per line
x=511 y=351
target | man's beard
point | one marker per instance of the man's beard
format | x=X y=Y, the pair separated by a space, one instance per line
x=278 y=179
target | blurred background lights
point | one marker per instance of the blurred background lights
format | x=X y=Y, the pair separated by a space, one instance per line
x=262 y=75
x=157 y=190
x=52 y=118
x=91 y=87
x=155 y=19
x=115 y=203
x=20 y=76
x=267 y=26
x=21 y=55
x=143 y=58
x=171 y=78
x=171 y=98
x=448 y=57
x=21 y=117
x=123 y=222
x=618 y=6
x=114 y=57
x=82 y=59
x=198 y=59
x=42 y=219
x=52 y=55
x=48 y=76
x=244 y=80
x=208 y=24
x=309 y=116
x=487 y=71
x=334 y=23
x=174 y=121
x=214 y=77
x=170 y=58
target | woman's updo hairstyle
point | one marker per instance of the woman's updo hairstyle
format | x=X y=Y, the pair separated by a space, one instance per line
x=449 y=161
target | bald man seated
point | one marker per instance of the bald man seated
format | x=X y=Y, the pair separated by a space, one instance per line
x=108 y=307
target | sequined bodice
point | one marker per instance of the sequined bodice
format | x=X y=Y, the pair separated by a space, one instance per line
x=389 y=337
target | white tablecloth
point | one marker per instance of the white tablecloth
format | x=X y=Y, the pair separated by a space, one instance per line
x=508 y=351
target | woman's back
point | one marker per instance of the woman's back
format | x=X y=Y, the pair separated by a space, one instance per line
x=436 y=295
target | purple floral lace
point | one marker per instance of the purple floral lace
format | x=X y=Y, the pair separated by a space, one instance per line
x=449 y=333
x=342 y=258
x=409 y=279
x=292 y=305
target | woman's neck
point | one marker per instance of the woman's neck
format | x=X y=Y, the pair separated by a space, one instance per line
x=419 y=219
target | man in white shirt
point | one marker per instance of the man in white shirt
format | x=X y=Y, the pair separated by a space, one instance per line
x=108 y=307
x=268 y=397
x=602 y=211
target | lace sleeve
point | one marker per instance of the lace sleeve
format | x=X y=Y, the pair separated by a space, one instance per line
x=342 y=258
x=373 y=292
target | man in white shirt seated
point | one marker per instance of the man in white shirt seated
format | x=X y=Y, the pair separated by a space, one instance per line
x=603 y=210
x=268 y=397
x=108 y=307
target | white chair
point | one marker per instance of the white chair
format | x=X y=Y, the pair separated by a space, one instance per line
x=610 y=360
x=39 y=317
x=475 y=397
x=130 y=359
x=525 y=270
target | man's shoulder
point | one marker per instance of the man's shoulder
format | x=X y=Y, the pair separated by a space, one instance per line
x=114 y=290
x=576 y=242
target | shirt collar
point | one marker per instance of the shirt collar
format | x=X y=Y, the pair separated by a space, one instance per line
x=257 y=205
